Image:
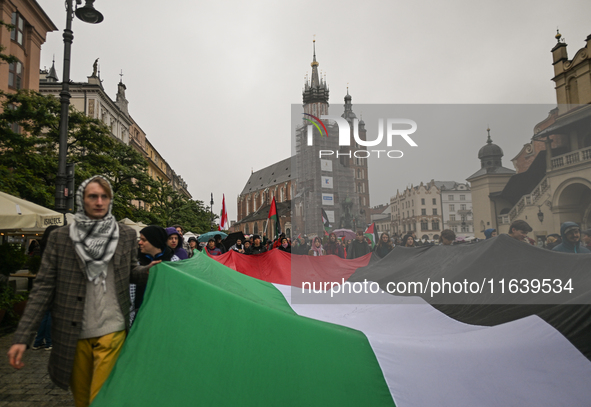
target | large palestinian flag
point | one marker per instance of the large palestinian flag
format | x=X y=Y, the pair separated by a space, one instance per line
x=208 y=335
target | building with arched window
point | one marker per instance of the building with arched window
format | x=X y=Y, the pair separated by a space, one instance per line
x=552 y=181
x=254 y=202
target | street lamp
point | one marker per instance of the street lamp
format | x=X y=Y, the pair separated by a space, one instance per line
x=211 y=212
x=89 y=15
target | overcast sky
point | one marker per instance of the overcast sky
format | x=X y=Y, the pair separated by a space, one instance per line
x=211 y=83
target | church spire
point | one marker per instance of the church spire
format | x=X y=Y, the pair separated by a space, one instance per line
x=314 y=65
x=349 y=115
x=315 y=94
x=52 y=76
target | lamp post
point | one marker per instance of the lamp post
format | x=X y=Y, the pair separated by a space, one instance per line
x=211 y=212
x=89 y=15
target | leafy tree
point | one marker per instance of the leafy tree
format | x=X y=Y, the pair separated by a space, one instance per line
x=28 y=154
x=3 y=57
x=29 y=141
x=172 y=207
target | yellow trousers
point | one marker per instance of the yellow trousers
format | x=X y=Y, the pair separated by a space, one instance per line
x=94 y=360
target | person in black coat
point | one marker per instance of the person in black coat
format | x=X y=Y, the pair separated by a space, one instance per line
x=358 y=247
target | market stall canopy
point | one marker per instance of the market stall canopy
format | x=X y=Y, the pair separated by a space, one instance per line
x=16 y=213
x=137 y=226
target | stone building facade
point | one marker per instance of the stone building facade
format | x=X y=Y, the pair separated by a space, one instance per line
x=24 y=42
x=456 y=208
x=90 y=97
x=552 y=182
x=418 y=209
x=254 y=202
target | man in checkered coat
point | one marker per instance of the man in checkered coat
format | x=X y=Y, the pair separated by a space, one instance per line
x=84 y=281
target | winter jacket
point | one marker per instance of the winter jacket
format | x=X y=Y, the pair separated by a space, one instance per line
x=566 y=246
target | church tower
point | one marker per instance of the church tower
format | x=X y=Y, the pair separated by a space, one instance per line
x=359 y=165
x=315 y=94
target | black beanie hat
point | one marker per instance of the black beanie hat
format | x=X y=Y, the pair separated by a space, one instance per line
x=156 y=235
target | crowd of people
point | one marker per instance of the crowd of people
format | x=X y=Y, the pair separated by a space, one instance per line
x=82 y=289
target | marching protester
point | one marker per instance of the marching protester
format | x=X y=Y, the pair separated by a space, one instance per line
x=571 y=239
x=519 y=229
x=87 y=293
x=447 y=237
x=384 y=245
x=193 y=246
x=153 y=245
x=300 y=246
x=257 y=246
x=552 y=240
x=358 y=247
x=278 y=241
x=408 y=241
x=316 y=249
x=488 y=233
x=185 y=245
x=333 y=246
x=219 y=244
x=416 y=241
x=211 y=248
x=238 y=247
x=284 y=246
x=246 y=246
x=175 y=243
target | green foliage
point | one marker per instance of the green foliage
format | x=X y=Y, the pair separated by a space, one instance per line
x=3 y=57
x=29 y=141
x=6 y=297
x=12 y=259
x=28 y=164
x=34 y=263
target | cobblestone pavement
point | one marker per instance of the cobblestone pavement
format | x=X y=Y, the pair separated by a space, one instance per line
x=30 y=386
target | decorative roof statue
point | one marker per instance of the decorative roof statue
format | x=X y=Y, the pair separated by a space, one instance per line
x=95 y=67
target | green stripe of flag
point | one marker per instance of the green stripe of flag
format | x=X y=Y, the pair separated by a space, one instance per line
x=207 y=335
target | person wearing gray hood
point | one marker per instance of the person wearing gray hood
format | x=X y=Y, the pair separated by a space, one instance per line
x=571 y=239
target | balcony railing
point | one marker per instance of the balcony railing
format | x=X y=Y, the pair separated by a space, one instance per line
x=530 y=199
x=464 y=212
x=572 y=158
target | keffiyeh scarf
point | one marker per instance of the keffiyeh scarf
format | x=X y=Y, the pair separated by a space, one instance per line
x=95 y=239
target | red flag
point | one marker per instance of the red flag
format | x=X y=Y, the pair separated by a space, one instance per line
x=224 y=224
x=273 y=216
x=371 y=234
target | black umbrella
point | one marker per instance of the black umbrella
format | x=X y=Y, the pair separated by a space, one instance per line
x=231 y=239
